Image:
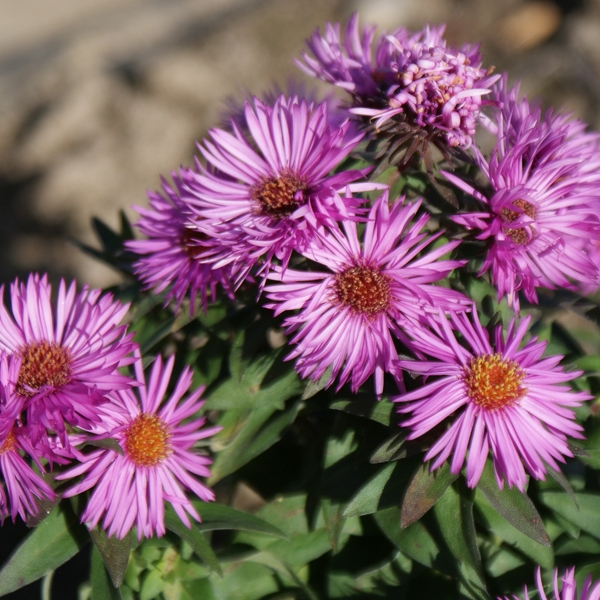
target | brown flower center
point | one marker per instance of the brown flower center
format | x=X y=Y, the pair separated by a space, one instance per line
x=9 y=443
x=364 y=289
x=190 y=239
x=520 y=235
x=493 y=382
x=278 y=197
x=43 y=364
x=147 y=440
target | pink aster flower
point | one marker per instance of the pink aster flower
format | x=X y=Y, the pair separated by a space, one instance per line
x=567 y=589
x=268 y=190
x=157 y=463
x=171 y=257
x=544 y=199
x=500 y=397
x=366 y=289
x=20 y=485
x=69 y=358
x=414 y=77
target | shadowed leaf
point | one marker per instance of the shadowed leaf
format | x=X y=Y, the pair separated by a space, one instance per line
x=424 y=490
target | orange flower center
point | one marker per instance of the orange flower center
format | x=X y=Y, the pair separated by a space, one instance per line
x=278 y=197
x=520 y=235
x=493 y=382
x=147 y=440
x=43 y=364
x=9 y=443
x=364 y=289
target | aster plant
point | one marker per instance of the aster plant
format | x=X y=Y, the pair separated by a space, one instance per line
x=318 y=378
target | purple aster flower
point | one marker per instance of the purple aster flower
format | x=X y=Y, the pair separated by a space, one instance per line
x=172 y=254
x=498 y=397
x=69 y=359
x=266 y=192
x=366 y=289
x=20 y=485
x=414 y=78
x=157 y=463
x=567 y=589
x=544 y=179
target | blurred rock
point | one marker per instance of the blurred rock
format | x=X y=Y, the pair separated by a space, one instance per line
x=100 y=98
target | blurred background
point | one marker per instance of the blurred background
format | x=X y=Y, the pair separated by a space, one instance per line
x=99 y=97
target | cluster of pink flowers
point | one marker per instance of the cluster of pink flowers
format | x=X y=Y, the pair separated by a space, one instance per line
x=359 y=274
x=61 y=386
x=362 y=278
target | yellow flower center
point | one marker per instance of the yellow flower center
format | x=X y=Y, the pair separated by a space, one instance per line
x=278 y=197
x=364 y=289
x=9 y=443
x=147 y=440
x=520 y=235
x=43 y=364
x=493 y=382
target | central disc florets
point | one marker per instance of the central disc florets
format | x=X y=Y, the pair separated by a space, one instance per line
x=9 y=443
x=364 y=289
x=279 y=197
x=190 y=242
x=43 y=365
x=493 y=381
x=147 y=440
x=520 y=235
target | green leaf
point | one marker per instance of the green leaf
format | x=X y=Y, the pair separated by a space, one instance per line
x=425 y=489
x=454 y=516
x=245 y=581
x=255 y=389
x=294 y=553
x=514 y=506
x=392 y=449
x=584 y=544
x=589 y=363
x=540 y=553
x=114 y=553
x=559 y=477
x=369 y=407
x=586 y=516
x=102 y=586
x=415 y=541
x=254 y=438
x=53 y=542
x=366 y=501
x=334 y=521
x=217 y=516
x=315 y=386
x=106 y=443
x=194 y=538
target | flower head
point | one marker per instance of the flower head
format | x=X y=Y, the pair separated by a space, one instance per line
x=498 y=397
x=157 y=463
x=69 y=359
x=265 y=192
x=567 y=589
x=367 y=288
x=414 y=78
x=171 y=257
x=544 y=178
